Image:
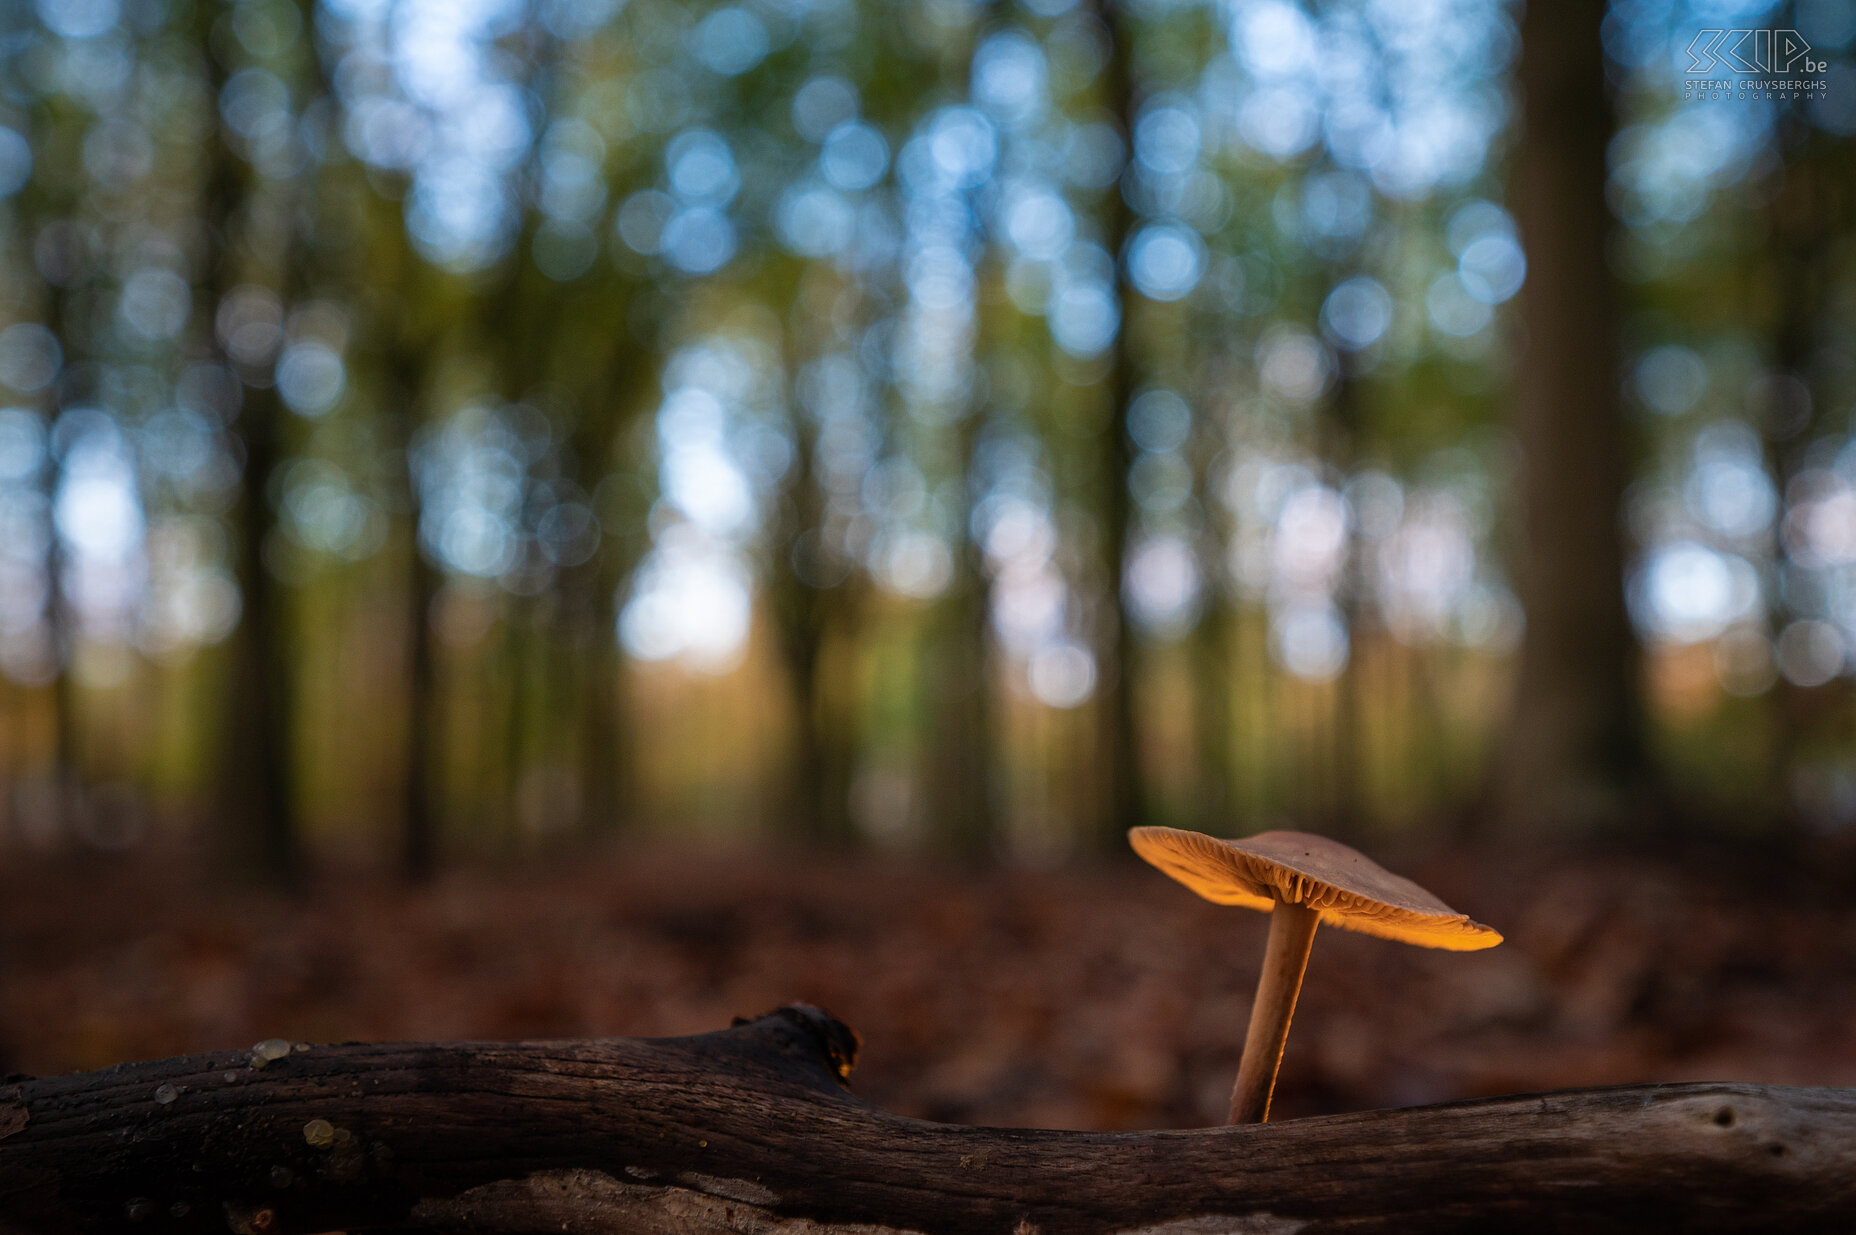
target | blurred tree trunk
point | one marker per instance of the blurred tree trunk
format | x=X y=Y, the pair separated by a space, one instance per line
x=1344 y=801
x=67 y=779
x=803 y=592
x=513 y=325
x=38 y=205
x=1214 y=805
x=960 y=781
x=258 y=772
x=955 y=766
x=408 y=349
x=419 y=829
x=418 y=855
x=819 y=811
x=67 y=774
x=960 y=778
x=1804 y=218
x=522 y=629
x=608 y=792
x=1573 y=757
x=1210 y=650
x=259 y=780
x=521 y=318
x=1117 y=751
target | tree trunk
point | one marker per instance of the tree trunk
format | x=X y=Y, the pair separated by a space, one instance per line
x=257 y=779
x=1573 y=758
x=258 y=797
x=523 y=630
x=1117 y=752
x=608 y=779
x=419 y=827
x=405 y=362
x=818 y=812
x=585 y=689
x=1210 y=650
x=803 y=599
x=69 y=784
x=1345 y=805
x=1214 y=721
x=1805 y=217
x=37 y=206
x=959 y=779
x=750 y=1129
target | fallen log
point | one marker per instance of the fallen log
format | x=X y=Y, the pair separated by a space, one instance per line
x=751 y=1129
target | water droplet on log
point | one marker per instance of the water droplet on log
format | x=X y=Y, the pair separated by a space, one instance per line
x=269 y=1051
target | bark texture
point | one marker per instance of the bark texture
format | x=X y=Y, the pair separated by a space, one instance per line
x=750 y=1129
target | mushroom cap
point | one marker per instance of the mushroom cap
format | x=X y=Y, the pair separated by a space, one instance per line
x=1350 y=889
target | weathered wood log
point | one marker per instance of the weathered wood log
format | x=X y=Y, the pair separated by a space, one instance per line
x=750 y=1129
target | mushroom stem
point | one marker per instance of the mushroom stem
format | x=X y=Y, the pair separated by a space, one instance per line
x=1292 y=934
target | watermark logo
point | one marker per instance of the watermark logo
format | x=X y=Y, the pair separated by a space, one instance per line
x=1775 y=65
x=1752 y=51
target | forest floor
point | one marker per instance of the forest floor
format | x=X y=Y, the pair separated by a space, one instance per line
x=1072 y=999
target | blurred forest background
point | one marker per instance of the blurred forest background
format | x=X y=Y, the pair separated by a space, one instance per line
x=439 y=430
x=472 y=427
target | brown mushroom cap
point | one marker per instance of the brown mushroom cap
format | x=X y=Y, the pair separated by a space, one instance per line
x=1349 y=889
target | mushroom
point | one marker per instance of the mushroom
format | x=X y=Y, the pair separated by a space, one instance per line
x=1300 y=880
